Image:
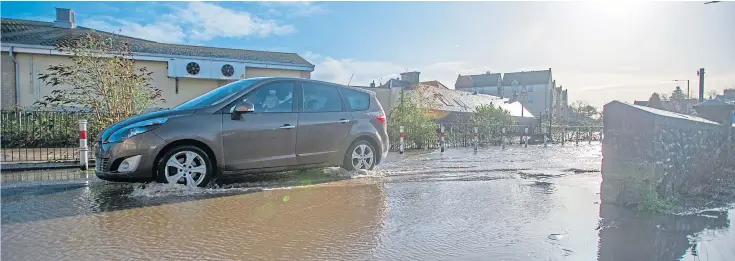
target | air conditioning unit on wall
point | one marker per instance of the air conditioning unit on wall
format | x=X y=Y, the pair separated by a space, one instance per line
x=203 y=69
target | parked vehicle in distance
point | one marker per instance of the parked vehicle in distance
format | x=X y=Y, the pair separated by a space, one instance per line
x=252 y=125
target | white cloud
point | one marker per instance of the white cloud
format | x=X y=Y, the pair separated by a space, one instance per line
x=206 y=21
x=194 y=22
x=340 y=70
x=160 y=31
x=293 y=8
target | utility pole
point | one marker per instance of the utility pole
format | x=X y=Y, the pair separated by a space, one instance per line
x=700 y=73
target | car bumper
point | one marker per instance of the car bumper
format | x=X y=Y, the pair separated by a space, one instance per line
x=109 y=156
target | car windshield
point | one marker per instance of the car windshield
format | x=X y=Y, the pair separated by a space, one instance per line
x=218 y=95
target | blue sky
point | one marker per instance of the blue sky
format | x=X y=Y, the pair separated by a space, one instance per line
x=599 y=51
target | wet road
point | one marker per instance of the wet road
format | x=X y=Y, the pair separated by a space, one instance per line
x=514 y=204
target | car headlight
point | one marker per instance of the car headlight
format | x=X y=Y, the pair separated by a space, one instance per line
x=135 y=129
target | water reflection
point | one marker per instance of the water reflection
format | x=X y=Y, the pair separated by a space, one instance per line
x=335 y=222
x=57 y=198
x=629 y=235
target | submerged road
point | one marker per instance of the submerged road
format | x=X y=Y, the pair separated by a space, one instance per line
x=531 y=203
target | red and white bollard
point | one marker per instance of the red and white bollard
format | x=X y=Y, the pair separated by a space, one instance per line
x=477 y=142
x=400 y=144
x=525 y=137
x=442 y=145
x=83 y=149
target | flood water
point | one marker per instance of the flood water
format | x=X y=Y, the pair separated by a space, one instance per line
x=531 y=203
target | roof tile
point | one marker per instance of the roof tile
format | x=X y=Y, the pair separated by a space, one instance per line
x=45 y=34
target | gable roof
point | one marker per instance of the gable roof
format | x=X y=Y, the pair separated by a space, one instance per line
x=527 y=78
x=477 y=80
x=435 y=84
x=461 y=101
x=396 y=83
x=26 y=32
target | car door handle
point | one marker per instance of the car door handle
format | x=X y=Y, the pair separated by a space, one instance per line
x=343 y=121
x=287 y=126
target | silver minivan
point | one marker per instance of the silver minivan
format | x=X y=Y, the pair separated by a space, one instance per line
x=250 y=126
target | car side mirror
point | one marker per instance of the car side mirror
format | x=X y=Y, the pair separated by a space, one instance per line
x=245 y=107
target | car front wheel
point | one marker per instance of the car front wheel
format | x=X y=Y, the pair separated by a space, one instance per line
x=187 y=165
x=360 y=155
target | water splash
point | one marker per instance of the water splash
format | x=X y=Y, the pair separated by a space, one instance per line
x=153 y=190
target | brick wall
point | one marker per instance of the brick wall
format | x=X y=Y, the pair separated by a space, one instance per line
x=8 y=81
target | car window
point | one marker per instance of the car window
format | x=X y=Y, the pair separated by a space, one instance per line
x=272 y=97
x=321 y=98
x=356 y=100
x=218 y=95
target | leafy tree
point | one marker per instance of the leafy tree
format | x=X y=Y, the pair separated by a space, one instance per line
x=677 y=94
x=655 y=102
x=101 y=78
x=420 y=129
x=489 y=120
x=486 y=115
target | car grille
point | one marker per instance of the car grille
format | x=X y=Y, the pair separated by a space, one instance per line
x=100 y=164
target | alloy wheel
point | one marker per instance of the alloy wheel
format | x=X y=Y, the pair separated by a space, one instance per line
x=362 y=157
x=186 y=167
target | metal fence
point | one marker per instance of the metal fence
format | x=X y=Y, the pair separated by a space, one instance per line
x=41 y=136
x=462 y=135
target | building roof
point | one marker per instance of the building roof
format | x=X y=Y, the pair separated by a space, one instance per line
x=669 y=113
x=435 y=84
x=527 y=78
x=396 y=83
x=26 y=32
x=478 y=80
x=461 y=101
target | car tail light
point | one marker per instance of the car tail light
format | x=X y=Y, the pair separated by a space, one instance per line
x=381 y=119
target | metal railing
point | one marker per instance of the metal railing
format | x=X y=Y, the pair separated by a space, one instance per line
x=462 y=135
x=41 y=136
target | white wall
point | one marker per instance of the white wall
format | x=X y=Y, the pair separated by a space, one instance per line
x=32 y=89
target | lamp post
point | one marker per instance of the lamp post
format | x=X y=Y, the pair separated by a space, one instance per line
x=686 y=101
x=687 y=86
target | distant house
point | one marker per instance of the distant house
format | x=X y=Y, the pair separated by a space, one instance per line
x=447 y=105
x=537 y=86
x=540 y=89
x=486 y=83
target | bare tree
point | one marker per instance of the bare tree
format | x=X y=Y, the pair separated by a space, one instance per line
x=712 y=94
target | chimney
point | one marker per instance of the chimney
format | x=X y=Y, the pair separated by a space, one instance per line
x=65 y=18
x=372 y=84
x=412 y=77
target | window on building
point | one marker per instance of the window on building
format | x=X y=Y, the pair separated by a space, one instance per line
x=321 y=98
x=530 y=98
x=442 y=99
x=356 y=100
x=529 y=88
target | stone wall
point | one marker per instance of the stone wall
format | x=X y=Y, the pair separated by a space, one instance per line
x=648 y=150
